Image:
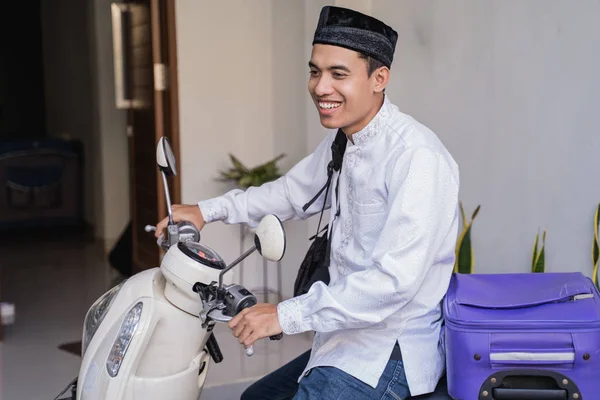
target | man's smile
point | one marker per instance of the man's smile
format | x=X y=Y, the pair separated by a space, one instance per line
x=328 y=107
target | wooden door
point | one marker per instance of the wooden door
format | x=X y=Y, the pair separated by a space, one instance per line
x=149 y=92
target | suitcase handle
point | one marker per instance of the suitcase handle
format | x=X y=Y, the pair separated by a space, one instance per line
x=532 y=358
x=528 y=384
x=529 y=394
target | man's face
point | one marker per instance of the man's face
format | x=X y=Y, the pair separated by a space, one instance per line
x=345 y=96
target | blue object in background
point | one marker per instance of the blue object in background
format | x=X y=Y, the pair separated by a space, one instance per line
x=40 y=183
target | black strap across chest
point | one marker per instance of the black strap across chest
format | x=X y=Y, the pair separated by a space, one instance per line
x=338 y=148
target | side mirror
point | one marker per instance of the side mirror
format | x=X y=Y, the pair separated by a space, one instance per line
x=165 y=157
x=269 y=238
x=269 y=241
x=166 y=163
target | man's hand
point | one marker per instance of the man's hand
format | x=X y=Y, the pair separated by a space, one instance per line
x=182 y=212
x=255 y=323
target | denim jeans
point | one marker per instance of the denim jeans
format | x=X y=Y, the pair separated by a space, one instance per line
x=282 y=384
x=327 y=383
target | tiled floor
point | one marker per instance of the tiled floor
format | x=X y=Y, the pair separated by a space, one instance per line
x=52 y=284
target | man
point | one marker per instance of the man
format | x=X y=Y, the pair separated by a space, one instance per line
x=377 y=323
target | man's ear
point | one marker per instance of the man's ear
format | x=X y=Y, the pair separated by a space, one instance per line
x=381 y=76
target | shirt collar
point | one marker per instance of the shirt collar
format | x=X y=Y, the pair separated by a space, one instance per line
x=374 y=126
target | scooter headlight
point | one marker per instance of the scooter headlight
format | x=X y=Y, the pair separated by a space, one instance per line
x=123 y=340
x=96 y=314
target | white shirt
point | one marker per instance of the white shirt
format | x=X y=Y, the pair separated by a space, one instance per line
x=393 y=247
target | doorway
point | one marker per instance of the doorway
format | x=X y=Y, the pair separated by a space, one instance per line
x=145 y=65
x=50 y=85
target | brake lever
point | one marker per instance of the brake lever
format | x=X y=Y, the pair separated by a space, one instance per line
x=150 y=228
x=162 y=242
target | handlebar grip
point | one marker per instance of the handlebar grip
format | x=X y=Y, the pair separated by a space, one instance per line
x=250 y=350
x=213 y=349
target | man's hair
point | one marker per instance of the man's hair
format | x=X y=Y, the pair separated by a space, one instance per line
x=372 y=63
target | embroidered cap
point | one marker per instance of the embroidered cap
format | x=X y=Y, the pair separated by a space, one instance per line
x=353 y=30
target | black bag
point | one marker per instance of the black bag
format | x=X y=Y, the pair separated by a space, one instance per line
x=315 y=266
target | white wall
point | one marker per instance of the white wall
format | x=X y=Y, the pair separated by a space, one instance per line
x=240 y=85
x=111 y=189
x=512 y=88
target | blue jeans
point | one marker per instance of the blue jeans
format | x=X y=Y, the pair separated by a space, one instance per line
x=281 y=384
x=327 y=383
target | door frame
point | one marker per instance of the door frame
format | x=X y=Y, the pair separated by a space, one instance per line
x=165 y=114
x=166 y=102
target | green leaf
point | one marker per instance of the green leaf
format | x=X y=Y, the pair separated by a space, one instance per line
x=465 y=261
x=245 y=181
x=464 y=217
x=231 y=175
x=465 y=254
x=539 y=260
x=596 y=247
x=534 y=254
x=244 y=177
x=540 y=264
x=238 y=164
x=475 y=212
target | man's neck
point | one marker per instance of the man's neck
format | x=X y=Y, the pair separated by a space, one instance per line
x=350 y=131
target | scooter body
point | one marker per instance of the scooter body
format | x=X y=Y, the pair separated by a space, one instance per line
x=151 y=337
x=145 y=347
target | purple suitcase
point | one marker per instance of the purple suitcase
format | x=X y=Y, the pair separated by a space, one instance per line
x=522 y=336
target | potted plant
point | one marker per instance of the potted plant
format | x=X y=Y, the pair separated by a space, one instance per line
x=244 y=177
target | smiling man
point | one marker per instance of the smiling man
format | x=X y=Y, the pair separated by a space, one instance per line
x=377 y=323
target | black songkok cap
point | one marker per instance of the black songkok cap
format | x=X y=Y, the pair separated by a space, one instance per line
x=356 y=31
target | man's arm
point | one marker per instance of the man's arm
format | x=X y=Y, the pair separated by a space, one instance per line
x=422 y=207
x=283 y=197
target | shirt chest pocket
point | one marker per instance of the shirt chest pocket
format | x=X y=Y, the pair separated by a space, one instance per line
x=368 y=220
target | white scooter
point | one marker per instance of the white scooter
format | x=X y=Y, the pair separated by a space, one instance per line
x=151 y=337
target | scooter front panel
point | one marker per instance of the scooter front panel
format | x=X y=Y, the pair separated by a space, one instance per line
x=98 y=384
x=186 y=385
x=93 y=365
x=165 y=353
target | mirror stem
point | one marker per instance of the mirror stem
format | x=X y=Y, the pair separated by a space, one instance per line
x=168 y=195
x=233 y=264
